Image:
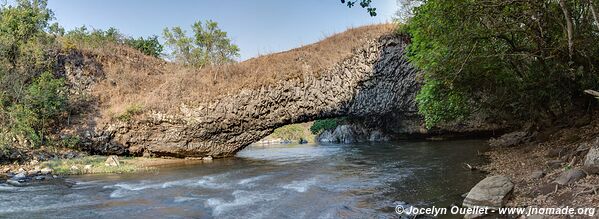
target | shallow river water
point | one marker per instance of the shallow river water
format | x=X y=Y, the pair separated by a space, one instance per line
x=281 y=181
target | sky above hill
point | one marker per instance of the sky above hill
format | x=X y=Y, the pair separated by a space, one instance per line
x=257 y=27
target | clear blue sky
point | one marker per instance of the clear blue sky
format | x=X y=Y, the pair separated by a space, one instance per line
x=256 y=26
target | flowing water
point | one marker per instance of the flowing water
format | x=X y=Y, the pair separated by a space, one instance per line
x=281 y=181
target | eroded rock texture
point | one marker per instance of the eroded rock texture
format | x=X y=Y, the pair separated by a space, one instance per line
x=376 y=80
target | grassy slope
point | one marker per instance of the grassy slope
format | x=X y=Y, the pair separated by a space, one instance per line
x=293 y=133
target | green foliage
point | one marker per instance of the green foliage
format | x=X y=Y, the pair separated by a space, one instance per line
x=31 y=99
x=98 y=38
x=23 y=122
x=509 y=59
x=46 y=96
x=363 y=3
x=94 y=37
x=439 y=105
x=45 y=101
x=325 y=124
x=131 y=111
x=71 y=141
x=23 y=46
x=209 y=45
x=150 y=46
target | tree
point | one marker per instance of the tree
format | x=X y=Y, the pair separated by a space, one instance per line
x=31 y=99
x=594 y=12
x=209 y=45
x=569 y=26
x=515 y=60
x=150 y=46
x=47 y=99
x=23 y=44
x=363 y=3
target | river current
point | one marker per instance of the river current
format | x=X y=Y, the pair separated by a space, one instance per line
x=277 y=181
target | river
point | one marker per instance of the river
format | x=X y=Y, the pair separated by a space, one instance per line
x=279 y=181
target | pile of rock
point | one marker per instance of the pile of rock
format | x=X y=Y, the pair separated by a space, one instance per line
x=22 y=177
x=575 y=171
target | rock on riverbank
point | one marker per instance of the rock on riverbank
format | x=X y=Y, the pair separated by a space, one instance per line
x=351 y=134
x=556 y=168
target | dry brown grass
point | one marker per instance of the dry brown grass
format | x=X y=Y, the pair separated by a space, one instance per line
x=133 y=78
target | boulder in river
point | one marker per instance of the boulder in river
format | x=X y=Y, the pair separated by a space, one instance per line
x=20 y=175
x=18 y=180
x=570 y=176
x=591 y=161
x=13 y=182
x=491 y=192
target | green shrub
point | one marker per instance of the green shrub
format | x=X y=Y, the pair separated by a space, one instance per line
x=98 y=37
x=325 y=124
x=23 y=122
x=45 y=101
x=150 y=46
x=132 y=110
x=440 y=104
x=93 y=37
x=71 y=141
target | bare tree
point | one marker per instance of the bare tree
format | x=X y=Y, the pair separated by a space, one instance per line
x=592 y=6
x=569 y=26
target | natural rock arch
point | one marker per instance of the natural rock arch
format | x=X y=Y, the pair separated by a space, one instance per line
x=375 y=80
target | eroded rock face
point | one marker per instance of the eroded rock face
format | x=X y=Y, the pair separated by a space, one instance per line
x=351 y=134
x=376 y=80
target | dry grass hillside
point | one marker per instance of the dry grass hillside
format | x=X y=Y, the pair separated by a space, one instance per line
x=132 y=78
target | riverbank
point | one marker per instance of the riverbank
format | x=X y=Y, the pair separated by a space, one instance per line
x=36 y=171
x=548 y=169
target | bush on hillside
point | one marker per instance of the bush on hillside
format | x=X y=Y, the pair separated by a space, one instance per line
x=94 y=38
x=45 y=102
x=150 y=46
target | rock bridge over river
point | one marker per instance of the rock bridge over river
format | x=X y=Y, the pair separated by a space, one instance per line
x=374 y=81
